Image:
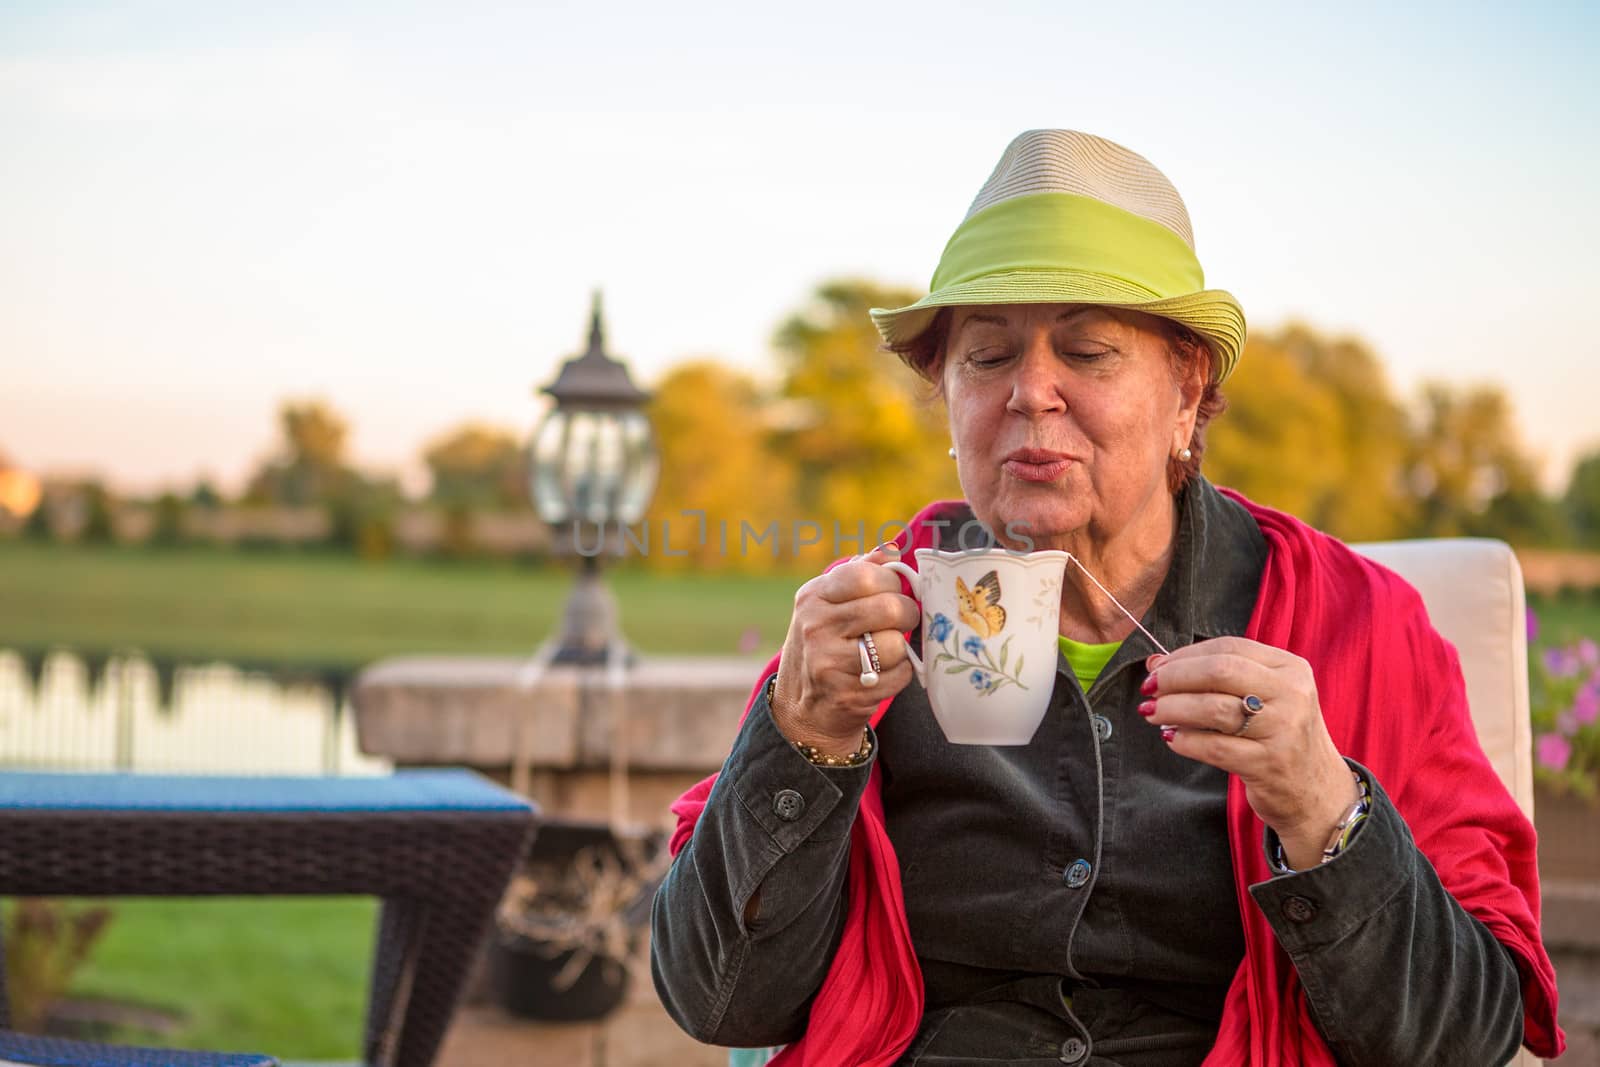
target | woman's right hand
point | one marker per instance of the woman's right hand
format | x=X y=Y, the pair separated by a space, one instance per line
x=819 y=699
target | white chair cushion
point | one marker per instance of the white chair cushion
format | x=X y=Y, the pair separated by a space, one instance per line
x=1473 y=591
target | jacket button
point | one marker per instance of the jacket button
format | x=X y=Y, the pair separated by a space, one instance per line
x=1299 y=910
x=1074 y=1050
x=1077 y=875
x=1102 y=728
x=788 y=805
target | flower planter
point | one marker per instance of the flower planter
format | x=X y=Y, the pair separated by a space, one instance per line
x=532 y=983
x=574 y=922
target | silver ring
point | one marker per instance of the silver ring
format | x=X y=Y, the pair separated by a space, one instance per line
x=1250 y=707
x=872 y=651
x=869 y=663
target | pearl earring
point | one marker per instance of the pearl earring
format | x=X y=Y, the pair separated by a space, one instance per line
x=1184 y=454
x=952 y=451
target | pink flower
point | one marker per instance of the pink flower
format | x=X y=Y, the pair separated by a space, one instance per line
x=1586 y=705
x=1588 y=652
x=750 y=639
x=1567 y=723
x=1554 y=751
x=1533 y=626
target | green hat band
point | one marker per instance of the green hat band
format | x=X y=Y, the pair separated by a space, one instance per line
x=1063 y=231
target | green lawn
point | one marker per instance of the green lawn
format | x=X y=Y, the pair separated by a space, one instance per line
x=324 y=608
x=330 y=609
x=284 y=976
x=1563 y=620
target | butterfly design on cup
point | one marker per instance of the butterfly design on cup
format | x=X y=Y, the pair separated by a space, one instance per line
x=979 y=607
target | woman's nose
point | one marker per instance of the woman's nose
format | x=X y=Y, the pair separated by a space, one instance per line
x=1038 y=386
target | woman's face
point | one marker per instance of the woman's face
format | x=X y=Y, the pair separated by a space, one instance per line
x=1064 y=417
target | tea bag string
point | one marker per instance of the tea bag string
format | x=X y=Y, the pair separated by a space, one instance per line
x=1109 y=596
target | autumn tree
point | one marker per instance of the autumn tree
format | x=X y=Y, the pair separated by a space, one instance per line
x=1368 y=499
x=314 y=434
x=1469 y=472
x=717 y=458
x=867 y=436
x=477 y=466
x=310 y=468
x=309 y=464
x=1313 y=427
x=1271 y=442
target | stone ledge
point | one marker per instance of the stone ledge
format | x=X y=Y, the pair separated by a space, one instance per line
x=679 y=714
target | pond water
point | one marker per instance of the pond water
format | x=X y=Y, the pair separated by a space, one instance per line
x=66 y=711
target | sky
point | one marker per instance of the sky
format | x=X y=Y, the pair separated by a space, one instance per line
x=206 y=208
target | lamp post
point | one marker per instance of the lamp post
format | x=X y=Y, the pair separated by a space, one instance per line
x=593 y=461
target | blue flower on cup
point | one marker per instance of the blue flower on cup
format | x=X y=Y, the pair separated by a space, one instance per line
x=970 y=655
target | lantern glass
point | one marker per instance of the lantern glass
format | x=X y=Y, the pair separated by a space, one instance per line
x=642 y=466
x=593 y=466
x=549 y=444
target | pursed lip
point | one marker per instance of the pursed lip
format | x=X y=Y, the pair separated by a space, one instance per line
x=1037 y=464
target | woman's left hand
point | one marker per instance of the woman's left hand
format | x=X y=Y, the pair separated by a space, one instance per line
x=1294 y=777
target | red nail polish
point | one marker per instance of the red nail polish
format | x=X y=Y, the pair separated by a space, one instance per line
x=1148 y=708
x=1168 y=733
x=1148 y=686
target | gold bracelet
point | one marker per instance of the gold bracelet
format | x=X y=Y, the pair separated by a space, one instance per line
x=816 y=755
x=824 y=759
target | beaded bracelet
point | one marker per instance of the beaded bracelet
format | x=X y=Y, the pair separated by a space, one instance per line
x=824 y=759
x=1341 y=837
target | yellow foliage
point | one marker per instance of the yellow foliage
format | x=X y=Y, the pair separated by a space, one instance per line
x=477 y=465
x=1312 y=428
x=469 y=447
x=716 y=459
x=853 y=443
x=871 y=449
x=313 y=432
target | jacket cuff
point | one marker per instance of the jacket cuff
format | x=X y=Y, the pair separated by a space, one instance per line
x=1320 y=905
x=792 y=799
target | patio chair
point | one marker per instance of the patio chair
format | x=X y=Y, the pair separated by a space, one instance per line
x=1474 y=594
x=437 y=846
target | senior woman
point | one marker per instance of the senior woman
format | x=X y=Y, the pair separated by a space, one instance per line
x=1279 y=843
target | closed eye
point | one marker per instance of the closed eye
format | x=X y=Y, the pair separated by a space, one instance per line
x=988 y=357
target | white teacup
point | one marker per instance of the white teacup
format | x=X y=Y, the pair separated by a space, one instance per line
x=989 y=624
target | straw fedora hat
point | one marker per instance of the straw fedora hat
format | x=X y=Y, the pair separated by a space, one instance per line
x=1068 y=217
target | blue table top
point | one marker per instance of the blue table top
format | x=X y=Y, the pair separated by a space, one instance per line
x=406 y=790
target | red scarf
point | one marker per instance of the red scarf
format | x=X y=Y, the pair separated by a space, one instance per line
x=1394 y=701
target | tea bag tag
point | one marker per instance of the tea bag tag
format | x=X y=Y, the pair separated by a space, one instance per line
x=1137 y=624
